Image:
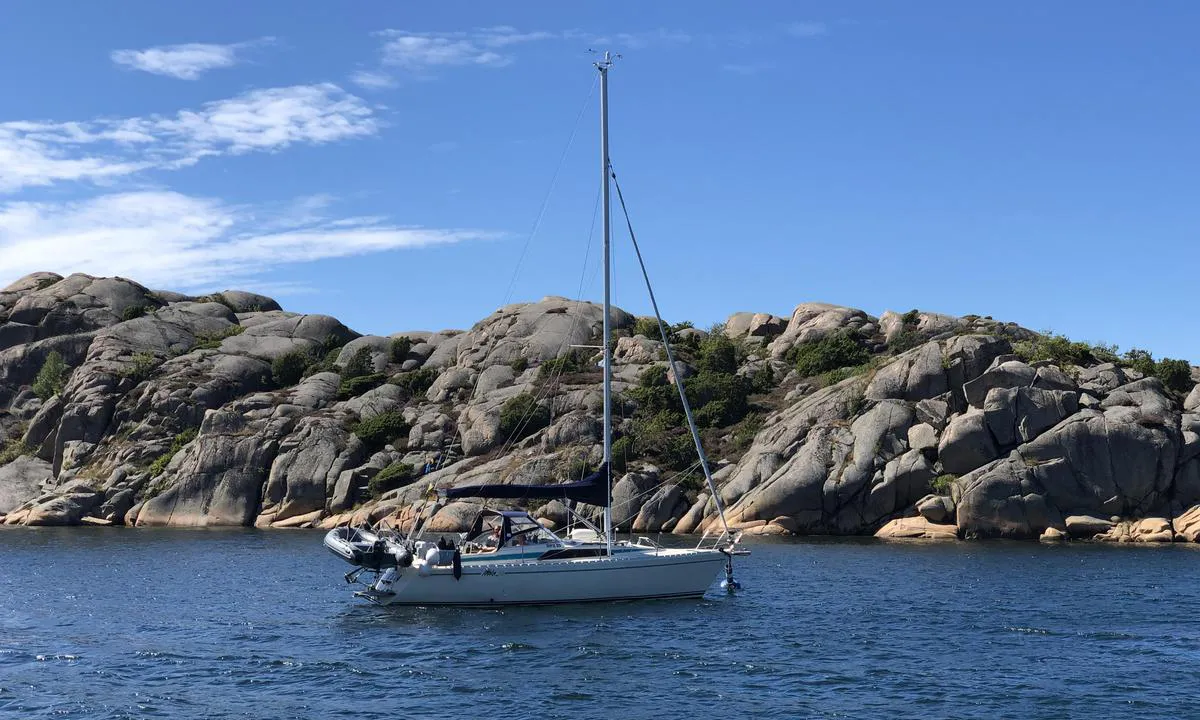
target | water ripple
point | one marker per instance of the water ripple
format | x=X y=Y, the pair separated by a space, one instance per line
x=246 y=624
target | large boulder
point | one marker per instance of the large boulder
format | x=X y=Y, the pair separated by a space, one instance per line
x=667 y=504
x=21 y=481
x=811 y=322
x=1006 y=374
x=535 y=332
x=305 y=471
x=915 y=375
x=835 y=479
x=1121 y=460
x=967 y=443
x=916 y=528
x=1017 y=415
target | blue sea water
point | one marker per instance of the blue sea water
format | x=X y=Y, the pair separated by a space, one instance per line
x=117 y=623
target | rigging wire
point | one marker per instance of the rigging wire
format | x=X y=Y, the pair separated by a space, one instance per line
x=537 y=223
x=687 y=408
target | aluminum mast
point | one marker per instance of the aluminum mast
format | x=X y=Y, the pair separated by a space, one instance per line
x=603 y=67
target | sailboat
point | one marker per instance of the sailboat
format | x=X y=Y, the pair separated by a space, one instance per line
x=507 y=557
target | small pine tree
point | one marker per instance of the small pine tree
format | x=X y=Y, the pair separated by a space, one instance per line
x=359 y=364
x=52 y=378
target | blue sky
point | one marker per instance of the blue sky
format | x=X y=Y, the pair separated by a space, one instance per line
x=385 y=162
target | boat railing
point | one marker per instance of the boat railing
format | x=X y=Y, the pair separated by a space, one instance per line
x=725 y=540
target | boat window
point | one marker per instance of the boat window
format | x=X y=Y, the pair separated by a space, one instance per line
x=487 y=529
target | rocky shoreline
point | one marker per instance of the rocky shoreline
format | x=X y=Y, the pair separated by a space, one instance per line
x=127 y=406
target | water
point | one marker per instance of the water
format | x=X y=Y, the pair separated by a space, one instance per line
x=112 y=623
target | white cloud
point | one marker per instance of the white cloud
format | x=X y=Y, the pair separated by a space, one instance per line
x=187 y=61
x=418 y=51
x=807 y=29
x=167 y=239
x=372 y=80
x=43 y=153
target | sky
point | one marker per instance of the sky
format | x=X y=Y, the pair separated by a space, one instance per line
x=405 y=165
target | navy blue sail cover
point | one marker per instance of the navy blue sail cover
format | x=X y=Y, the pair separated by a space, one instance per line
x=593 y=490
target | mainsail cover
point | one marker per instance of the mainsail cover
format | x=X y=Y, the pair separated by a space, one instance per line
x=593 y=490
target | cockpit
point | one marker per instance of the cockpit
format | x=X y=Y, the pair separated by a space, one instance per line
x=493 y=530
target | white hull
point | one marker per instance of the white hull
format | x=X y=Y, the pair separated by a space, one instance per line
x=657 y=573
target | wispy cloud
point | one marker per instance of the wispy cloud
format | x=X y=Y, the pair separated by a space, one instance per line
x=807 y=29
x=371 y=80
x=43 y=153
x=186 y=62
x=173 y=240
x=418 y=52
x=421 y=54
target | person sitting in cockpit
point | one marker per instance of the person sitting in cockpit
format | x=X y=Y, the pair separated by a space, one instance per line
x=492 y=542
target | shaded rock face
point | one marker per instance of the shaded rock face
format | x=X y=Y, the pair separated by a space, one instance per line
x=175 y=401
x=1120 y=460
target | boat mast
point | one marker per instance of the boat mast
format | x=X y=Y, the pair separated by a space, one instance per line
x=603 y=66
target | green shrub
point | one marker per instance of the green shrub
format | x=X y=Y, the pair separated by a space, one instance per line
x=623 y=451
x=353 y=387
x=134 y=312
x=396 y=475
x=331 y=342
x=288 y=368
x=141 y=367
x=381 y=429
x=743 y=434
x=217 y=298
x=519 y=365
x=328 y=363
x=653 y=393
x=13 y=449
x=718 y=354
x=692 y=482
x=834 y=377
x=46 y=282
x=1175 y=374
x=177 y=443
x=415 y=382
x=714 y=414
x=1061 y=350
x=720 y=399
x=52 y=378
x=359 y=364
x=647 y=327
x=763 y=379
x=942 y=484
x=836 y=350
x=521 y=416
x=907 y=338
x=572 y=362
x=213 y=341
x=399 y=349
x=577 y=469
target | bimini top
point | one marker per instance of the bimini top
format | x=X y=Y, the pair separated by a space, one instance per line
x=593 y=490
